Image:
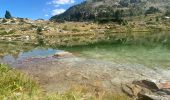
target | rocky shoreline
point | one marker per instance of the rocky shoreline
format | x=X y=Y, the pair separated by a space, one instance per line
x=60 y=73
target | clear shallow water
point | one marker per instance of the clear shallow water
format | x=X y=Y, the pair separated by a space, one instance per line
x=157 y=56
x=38 y=52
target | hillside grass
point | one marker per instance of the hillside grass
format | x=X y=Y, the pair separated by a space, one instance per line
x=85 y=33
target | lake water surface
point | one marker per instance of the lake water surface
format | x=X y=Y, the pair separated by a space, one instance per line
x=155 y=56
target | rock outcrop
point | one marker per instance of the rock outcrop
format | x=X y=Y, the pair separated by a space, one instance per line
x=148 y=90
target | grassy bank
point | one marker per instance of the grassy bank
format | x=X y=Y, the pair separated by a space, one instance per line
x=15 y=85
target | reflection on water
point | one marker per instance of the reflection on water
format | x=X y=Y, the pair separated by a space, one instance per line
x=35 y=53
x=12 y=53
x=157 y=56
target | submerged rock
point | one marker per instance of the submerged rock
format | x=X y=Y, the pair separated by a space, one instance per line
x=63 y=54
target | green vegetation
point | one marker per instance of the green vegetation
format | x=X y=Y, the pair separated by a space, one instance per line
x=4 y=32
x=122 y=22
x=15 y=85
x=40 y=37
x=8 y=15
x=39 y=31
x=167 y=13
x=152 y=10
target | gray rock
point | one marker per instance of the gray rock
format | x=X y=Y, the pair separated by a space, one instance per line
x=149 y=84
x=161 y=93
x=153 y=97
x=167 y=91
x=127 y=90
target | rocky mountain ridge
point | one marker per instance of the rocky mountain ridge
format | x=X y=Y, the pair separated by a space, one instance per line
x=110 y=9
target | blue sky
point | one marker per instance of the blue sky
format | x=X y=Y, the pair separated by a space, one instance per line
x=35 y=9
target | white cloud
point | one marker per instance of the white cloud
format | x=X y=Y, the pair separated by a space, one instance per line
x=62 y=2
x=46 y=15
x=56 y=6
x=57 y=11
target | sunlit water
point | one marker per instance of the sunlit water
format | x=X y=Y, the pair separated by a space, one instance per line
x=38 y=52
x=157 y=56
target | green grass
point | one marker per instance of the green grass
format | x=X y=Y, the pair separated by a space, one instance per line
x=15 y=85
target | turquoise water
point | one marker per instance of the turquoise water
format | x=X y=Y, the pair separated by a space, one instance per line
x=150 y=56
x=157 y=56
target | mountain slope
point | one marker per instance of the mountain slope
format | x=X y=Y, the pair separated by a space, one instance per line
x=110 y=9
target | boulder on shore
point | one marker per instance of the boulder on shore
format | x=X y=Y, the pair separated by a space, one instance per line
x=153 y=90
x=153 y=84
x=153 y=97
